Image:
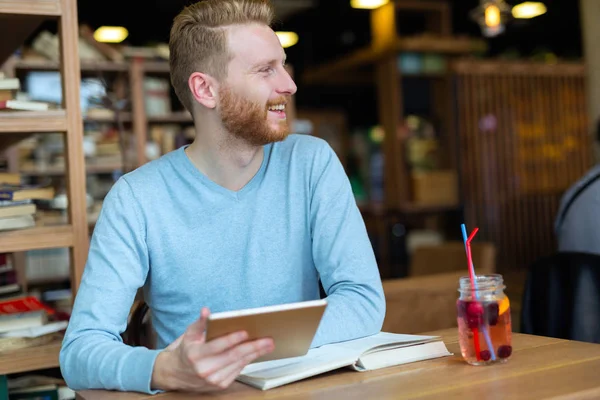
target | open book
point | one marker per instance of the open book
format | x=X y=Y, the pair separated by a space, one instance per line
x=372 y=352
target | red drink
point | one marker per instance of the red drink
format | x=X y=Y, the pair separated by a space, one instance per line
x=484 y=324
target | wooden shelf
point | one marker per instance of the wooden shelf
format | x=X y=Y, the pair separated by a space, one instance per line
x=125 y=117
x=19 y=18
x=39 y=237
x=86 y=66
x=61 y=170
x=16 y=126
x=157 y=67
x=31 y=358
x=182 y=116
x=31 y=7
x=33 y=121
x=440 y=44
x=371 y=55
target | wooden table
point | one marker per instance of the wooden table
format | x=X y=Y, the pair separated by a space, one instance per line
x=540 y=368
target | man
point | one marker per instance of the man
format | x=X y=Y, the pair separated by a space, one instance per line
x=577 y=224
x=246 y=216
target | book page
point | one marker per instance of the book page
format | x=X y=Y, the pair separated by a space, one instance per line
x=381 y=341
x=399 y=355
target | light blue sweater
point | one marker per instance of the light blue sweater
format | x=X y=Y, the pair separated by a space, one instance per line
x=192 y=243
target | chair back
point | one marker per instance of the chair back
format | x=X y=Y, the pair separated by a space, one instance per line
x=561 y=297
x=139 y=328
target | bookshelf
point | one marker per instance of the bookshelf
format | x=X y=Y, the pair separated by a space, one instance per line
x=378 y=65
x=134 y=71
x=18 y=19
x=139 y=70
x=395 y=62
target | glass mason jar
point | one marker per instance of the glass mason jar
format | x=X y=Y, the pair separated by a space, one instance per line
x=484 y=324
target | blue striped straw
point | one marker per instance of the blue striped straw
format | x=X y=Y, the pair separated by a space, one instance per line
x=486 y=334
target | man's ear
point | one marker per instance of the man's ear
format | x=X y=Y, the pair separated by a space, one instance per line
x=203 y=88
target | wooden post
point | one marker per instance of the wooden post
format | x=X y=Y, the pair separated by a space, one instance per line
x=389 y=86
x=75 y=163
x=140 y=125
x=590 y=15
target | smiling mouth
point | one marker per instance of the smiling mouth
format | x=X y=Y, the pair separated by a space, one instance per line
x=278 y=109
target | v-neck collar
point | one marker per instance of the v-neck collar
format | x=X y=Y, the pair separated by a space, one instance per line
x=185 y=161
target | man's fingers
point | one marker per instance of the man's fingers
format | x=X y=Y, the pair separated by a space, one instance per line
x=221 y=344
x=224 y=377
x=209 y=365
x=195 y=331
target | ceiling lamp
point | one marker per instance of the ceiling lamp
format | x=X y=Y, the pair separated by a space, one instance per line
x=110 y=34
x=287 y=39
x=529 y=9
x=368 y=4
x=491 y=15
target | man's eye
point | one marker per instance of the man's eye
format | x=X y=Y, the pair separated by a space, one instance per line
x=267 y=70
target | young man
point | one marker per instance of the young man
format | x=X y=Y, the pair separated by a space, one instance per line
x=246 y=216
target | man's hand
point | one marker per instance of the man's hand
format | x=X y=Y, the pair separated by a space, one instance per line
x=192 y=364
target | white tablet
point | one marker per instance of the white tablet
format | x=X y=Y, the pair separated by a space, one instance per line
x=292 y=326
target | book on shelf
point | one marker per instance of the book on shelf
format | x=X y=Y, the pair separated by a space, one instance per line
x=24 y=105
x=22 y=303
x=25 y=192
x=22 y=320
x=10 y=178
x=365 y=354
x=9 y=88
x=18 y=214
x=17 y=206
x=17 y=222
x=16 y=210
x=27 y=322
x=9 y=289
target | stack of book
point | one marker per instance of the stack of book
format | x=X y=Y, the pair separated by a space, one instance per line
x=17 y=207
x=26 y=322
x=10 y=99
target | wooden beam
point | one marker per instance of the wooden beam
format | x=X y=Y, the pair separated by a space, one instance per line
x=527 y=68
x=75 y=161
x=449 y=45
x=140 y=126
x=362 y=57
x=420 y=5
x=373 y=55
x=390 y=106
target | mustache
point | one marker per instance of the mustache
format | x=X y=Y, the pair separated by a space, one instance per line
x=279 y=100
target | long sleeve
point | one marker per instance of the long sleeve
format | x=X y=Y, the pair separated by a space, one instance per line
x=344 y=258
x=93 y=355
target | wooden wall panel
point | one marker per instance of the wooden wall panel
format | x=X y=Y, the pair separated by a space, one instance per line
x=523 y=140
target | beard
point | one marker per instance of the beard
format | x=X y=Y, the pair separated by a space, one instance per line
x=247 y=120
